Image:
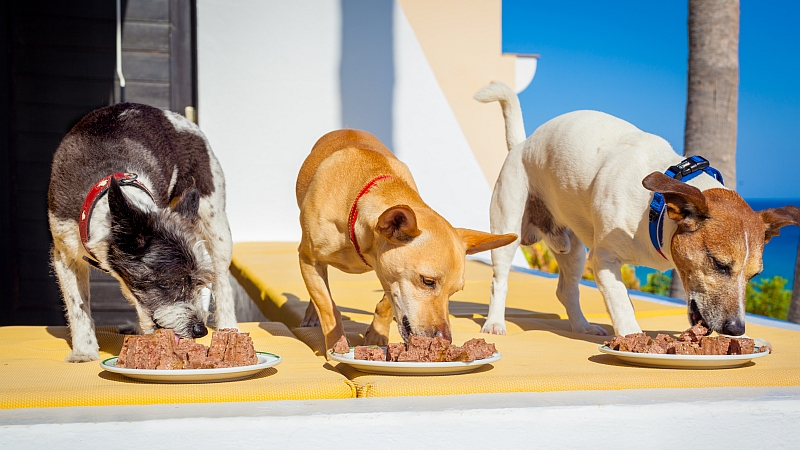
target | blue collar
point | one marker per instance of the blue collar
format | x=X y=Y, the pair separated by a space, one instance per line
x=685 y=171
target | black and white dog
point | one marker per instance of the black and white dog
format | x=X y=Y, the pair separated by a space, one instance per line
x=137 y=192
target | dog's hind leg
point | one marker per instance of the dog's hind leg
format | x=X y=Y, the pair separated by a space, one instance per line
x=73 y=277
x=570 y=270
x=509 y=200
x=378 y=332
x=607 y=273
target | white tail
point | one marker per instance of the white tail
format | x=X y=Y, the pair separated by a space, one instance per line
x=499 y=92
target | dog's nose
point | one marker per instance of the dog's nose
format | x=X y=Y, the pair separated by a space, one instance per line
x=199 y=330
x=733 y=328
x=444 y=335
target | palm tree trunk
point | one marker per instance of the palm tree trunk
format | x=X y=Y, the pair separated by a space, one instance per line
x=713 y=88
x=794 y=307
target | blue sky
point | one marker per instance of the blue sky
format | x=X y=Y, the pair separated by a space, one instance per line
x=629 y=58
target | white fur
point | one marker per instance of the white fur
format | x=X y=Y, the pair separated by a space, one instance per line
x=588 y=168
x=215 y=229
x=173 y=179
x=73 y=278
x=73 y=272
x=742 y=281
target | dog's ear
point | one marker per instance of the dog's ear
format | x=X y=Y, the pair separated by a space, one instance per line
x=685 y=204
x=478 y=241
x=188 y=204
x=775 y=218
x=398 y=224
x=130 y=226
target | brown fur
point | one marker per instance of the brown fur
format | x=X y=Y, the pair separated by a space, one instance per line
x=717 y=247
x=402 y=238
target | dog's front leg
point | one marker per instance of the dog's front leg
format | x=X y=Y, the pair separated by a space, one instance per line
x=570 y=271
x=73 y=277
x=608 y=275
x=225 y=310
x=217 y=235
x=315 y=276
x=378 y=332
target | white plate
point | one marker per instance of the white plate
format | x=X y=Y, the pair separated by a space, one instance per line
x=683 y=361
x=412 y=368
x=194 y=375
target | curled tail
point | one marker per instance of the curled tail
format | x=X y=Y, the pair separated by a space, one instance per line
x=499 y=92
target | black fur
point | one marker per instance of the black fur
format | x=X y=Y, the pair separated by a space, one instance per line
x=108 y=141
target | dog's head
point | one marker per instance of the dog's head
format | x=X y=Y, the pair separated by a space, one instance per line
x=160 y=260
x=717 y=248
x=421 y=264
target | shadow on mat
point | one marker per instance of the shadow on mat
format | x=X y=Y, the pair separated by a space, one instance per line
x=108 y=338
x=269 y=371
x=610 y=360
x=294 y=298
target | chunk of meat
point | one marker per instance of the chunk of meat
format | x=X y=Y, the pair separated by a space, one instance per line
x=341 y=346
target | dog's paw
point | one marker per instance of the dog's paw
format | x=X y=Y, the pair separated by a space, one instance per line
x=79 y=357
x=594 y=330
x=311 y=319
x=374 y=338
x=493 y=328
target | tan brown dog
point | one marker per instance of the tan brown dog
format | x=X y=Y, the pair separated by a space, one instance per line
x=360 y=211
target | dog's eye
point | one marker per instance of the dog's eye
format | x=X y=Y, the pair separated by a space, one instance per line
x=429 y=282
x=721 y=267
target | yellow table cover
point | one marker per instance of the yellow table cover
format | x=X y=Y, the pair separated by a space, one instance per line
x=33 y=373
x=540 y=353
x=270 y=273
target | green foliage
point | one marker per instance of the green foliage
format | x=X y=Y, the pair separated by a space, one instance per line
x=657 y=283
x=768 y=297
x=540 y=257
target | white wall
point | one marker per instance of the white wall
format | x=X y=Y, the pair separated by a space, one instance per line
x=430 y=141
x=270 y=84
x=268 y=74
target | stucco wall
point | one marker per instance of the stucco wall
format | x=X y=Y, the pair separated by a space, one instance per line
x=274 y=76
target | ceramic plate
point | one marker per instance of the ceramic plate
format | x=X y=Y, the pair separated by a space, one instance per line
x=683 y=361
x=412 y=368
x=194 y=375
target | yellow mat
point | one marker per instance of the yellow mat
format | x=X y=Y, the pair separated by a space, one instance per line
x=33 y=373
x=540 y=353
x=270 y=273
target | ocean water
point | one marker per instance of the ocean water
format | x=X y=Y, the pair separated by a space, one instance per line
x=779 y=253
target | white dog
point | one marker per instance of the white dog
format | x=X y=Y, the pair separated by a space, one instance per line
x=588 y=179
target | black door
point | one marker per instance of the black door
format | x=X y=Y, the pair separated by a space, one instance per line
x=57 y=63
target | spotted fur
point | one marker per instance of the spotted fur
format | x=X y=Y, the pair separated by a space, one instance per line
x=166 y=250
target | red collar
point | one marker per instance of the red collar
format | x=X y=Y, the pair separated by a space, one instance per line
x=351 y=220
x=96 y=193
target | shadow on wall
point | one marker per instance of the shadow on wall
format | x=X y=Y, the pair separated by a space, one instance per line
x=366 y=71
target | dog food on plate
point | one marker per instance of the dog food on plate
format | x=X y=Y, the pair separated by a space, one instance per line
x=164 y=350
x=691 y=342
x=420 y=349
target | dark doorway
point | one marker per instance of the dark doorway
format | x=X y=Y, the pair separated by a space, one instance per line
x=57 y=65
